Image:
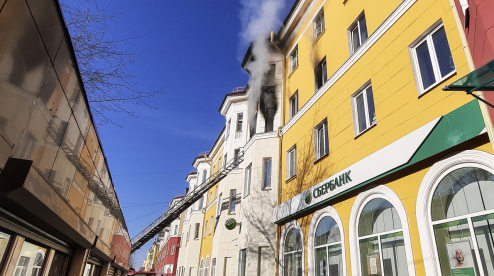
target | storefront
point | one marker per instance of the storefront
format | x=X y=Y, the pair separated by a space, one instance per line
x=419 y=206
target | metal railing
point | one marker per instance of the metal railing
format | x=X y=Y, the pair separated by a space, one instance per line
x=188 y=200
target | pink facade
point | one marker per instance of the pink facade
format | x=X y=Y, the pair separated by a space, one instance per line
x=166 y=263
x=479 y=30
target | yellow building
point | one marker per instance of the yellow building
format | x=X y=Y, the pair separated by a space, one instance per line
x=383 y=173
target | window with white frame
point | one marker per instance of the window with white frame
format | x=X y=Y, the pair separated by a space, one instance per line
x=266 y=171
x=380 y=240
x=291 y=162
x=211 y=226
x=364 y=112
x=206 y=266
x=292 y=253
x=204 y=175
x=233 y=198
x=293 y=108
x=247 y=180
x=432 y=59
x=227 y=133
x=173 y=250
x=327 y=248
x=242 y=261
x=225 y=159
x=357 y=34
x=240 y=121
x=205 y=229
x=319 y=24
x=321 y=74
x=294 y=59
x=321 y=144
x=201 y=268
x=196 y=230
x=462 y=213
x=213 y=267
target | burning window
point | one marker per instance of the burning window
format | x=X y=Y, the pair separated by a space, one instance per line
x=321 y=74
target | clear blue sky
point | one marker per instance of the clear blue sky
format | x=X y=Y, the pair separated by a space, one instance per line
x=193 y=48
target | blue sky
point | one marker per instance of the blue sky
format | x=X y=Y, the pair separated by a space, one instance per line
x=194 y=49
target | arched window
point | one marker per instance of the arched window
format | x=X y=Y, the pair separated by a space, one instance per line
x=462 y=213
x=380 y=239
x=327 y=248
x=292 y=253
x=201 y=267
x=206 y=266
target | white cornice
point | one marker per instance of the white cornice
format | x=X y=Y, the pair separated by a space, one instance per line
x=230 y=99
x=259 y=136
x=385 y=26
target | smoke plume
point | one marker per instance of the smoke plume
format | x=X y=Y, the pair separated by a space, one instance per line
x=259 y=18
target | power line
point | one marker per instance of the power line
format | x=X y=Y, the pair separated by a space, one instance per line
x=148 y=173
x=136 y=206
x=161 y=209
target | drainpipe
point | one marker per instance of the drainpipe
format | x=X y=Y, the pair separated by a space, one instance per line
x=280 y=137
x=471 y=67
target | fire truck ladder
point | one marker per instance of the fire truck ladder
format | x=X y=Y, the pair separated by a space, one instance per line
x=188 y=200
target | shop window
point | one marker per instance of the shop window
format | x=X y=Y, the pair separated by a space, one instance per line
x=242 y=262
x=380 y=239
x=431 y=59
x=292 y=253
x=293 y=108
x=462 y=212
x=266 y=179
x=201 y=268
x=213 y=267
x=247 y=181
x=206 y=266
x=291 y=162
x=364 y=112
x=30 y=260
x=357 y=34
x=58 y=264
x=4 y=242
x=321 y=144
x=294 y=59
x=321 y=74
x=327 y=248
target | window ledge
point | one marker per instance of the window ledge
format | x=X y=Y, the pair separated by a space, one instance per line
x=291 y=179
x=266 y=189
x=367 y=129
x=293 y=71
x=319 y=37
x=321 y=158
x=430 y=88
x=231 y=213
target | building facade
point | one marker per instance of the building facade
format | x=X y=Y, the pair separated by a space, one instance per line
x=373 y=181
x=59 y=212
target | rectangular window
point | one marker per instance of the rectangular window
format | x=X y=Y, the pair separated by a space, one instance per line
x=321 y=144
x=204 y=175
x=233 y=198
x=173 y=250
x=321 y=74
x=293 y=108
x=225 y=160
x=241 y=262
x=240 y=121
x=211 y=226
x=319 y=24
x=248 y=174
x=213 y=267
x=364 y=113
x=294 y=59
x=176 y=229
x=291 y=162
x=271 y=75
x=188 y=233
x=196 y=232
x=205 y=229
x=357 y=34
x=267 y=173
x=228 y=128
x=236 y=153
x=432 y=59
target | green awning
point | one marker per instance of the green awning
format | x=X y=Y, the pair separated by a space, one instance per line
x=482 y=79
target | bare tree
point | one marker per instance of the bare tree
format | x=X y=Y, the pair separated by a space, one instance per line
x=103 y=60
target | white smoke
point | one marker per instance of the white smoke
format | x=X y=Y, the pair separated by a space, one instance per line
x=259 y=18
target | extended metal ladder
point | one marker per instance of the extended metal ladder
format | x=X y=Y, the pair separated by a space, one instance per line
x=188 y=200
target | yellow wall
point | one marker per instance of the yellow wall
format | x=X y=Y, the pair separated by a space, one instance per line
x=399 y=108
x=387 y=64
